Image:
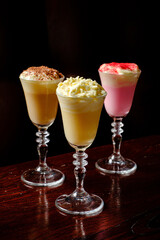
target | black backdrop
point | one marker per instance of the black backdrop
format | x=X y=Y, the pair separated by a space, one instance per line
x=75 y=37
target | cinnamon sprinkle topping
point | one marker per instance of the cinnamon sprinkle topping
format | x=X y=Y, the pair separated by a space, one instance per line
x=42 y=73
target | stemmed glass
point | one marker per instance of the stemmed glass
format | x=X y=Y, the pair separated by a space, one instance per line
x=120 y=92
x=80 y=120
x=42 y=107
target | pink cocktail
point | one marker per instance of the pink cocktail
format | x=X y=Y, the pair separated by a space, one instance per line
x=119 y=80
x=119 y=100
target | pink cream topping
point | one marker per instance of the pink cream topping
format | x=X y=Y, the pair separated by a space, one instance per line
x=119 y=68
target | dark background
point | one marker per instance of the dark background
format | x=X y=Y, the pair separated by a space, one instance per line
x=75 y=37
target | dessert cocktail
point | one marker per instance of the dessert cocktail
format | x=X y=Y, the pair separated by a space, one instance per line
x=39 y=86
x=119 y=80
x=81 y=102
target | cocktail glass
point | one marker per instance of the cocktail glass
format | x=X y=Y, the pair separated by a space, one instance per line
x=42 y=104
x=80 y=120
x=120 y=92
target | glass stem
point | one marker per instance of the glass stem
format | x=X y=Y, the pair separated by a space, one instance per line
x=42 y=149
x=79 y=173
x=116 y=136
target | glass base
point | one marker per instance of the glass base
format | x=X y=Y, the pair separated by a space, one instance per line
x=89 y=206
x=124 y=167
x=33 y=177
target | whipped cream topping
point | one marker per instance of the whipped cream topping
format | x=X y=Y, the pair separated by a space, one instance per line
x=42 y=73
x=119 y=68
x=80 y=87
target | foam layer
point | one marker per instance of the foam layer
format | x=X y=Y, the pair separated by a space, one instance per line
x=119 y=68
x=42 y=73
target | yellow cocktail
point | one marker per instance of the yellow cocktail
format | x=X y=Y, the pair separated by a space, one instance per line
x=39 y=86
x=80 y=119
x=41 y=99
x=81 y=101
x=81 y=104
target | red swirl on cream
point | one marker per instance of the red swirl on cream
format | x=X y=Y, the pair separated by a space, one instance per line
x=119 y=68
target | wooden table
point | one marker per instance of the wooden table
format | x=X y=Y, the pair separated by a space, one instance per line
x=132 y=204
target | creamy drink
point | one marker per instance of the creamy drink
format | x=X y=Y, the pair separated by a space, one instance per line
x=119 y=80
x=81 y=102
x=39 y=85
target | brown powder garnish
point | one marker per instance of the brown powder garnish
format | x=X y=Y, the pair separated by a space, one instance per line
x=43 y=73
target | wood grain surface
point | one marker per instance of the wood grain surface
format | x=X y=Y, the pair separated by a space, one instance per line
x=132 y=203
